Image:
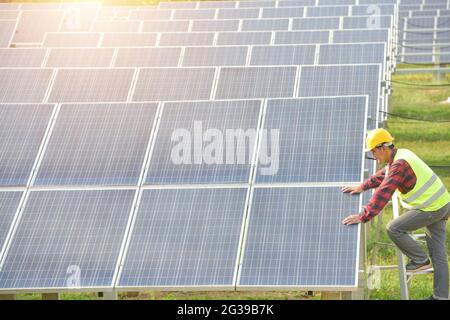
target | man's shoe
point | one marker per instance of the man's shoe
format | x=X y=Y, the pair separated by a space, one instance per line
x=416 y=267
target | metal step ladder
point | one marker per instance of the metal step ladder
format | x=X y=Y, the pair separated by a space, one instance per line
x=405 y=277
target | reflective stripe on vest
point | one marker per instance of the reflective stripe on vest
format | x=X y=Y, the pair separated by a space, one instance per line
x=429 y=193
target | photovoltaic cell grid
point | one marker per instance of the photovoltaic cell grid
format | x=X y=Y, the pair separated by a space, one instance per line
x=320 y=140
x=185 y=237
x=91 y=85
x=158 y=84
x=24 y=85
x=97 y=167
x=67 y=232
x=423 y=26
x=256 y=82
x=185 y=153
x=295 y=238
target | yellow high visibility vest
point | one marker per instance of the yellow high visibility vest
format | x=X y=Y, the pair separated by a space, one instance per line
x=429 y=193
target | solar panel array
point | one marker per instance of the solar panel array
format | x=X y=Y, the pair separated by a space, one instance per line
x=424 y=31
x=188 y=145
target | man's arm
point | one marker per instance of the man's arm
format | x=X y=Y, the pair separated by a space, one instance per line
x=385 y=191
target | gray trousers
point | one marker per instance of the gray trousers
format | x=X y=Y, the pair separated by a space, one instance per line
x=434 y=224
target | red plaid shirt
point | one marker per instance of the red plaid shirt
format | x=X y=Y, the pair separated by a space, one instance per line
x=400 y=176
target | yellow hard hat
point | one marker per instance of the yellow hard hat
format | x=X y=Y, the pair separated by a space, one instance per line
x=377 y=137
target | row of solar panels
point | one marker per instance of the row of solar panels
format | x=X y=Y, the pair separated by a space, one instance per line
x=32 y=25
x=171 y=237
x=424 y=35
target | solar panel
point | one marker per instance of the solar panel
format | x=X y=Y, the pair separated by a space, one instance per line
x=21 y=135
x=424 y=13
x=151 y=213
x=144 y=14
x=80 y=57
x=238 y=13
x=147 y=57
x=9 y=203
x=129 y=39
x=323 y=11
x=302 y=37
x=352 y=53
x=283 y=55
x=295 y=239
x=97 y=144
x=294 y=3
x=216 y=4
x=417 y=58
x=156 y=84
x=24 y=85
x=185 y=238
x=316 y=24
x=282 y=12
x=361 y=2
x=9 y=14
x=335 y=2
x=21 y=58
x=442 y=36
x=420 y=23
x=71 y=40
x=367 y=22
x=338 y=80
x=9 y=6
x=34 y=24
x=191 y=14
x=91 y=85
x=187 y=39
x=320 y=140
x=89 y=226
x=255 y=82
x=39 y=6
x=180 y=158
x=177 y=5
x=6 y=32
x=265 y=25
x=215 y=56
x=435 y=6
x=166 y=26
x=243 y=38
x=78 y=18
x=381 y=9
x=215 y=25
x=418 y=50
